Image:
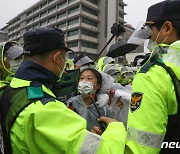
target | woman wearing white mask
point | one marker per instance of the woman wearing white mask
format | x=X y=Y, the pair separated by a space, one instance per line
x=89 y=85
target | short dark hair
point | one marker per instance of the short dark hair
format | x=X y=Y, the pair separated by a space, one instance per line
x=95 y=72
x=175 y=24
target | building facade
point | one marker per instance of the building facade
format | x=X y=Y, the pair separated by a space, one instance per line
x=86 y=23
x=4 y=34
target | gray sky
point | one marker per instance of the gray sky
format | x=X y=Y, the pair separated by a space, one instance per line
x=11 y=8
x=136 y=9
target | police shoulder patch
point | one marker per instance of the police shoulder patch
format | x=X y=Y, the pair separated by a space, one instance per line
x=135 y=101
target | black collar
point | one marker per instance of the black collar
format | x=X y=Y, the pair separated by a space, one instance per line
x=31 y=71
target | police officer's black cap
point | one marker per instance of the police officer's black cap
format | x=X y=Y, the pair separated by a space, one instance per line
x=168 y=10
x=43 y=39
x=82 y=60
x=78 y=58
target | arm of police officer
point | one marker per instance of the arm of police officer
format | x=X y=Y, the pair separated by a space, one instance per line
x=107 y=120
x=53 y=128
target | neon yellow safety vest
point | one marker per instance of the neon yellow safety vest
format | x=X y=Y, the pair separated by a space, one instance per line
x=54 y=129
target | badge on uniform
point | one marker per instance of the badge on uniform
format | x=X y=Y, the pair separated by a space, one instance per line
x=135 y=101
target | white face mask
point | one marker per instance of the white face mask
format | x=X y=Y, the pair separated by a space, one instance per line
x=14 y=64
x=85 y=88
x=64 y=67
x=151 y=45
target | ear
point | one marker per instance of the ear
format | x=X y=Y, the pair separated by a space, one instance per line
x=55 y=56
x=98 y=86
x=168 y=27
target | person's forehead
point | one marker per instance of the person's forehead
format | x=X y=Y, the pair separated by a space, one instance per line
x=88 y=73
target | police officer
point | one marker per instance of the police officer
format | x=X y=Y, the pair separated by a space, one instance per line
x=10 y=59
x=81 y=61
x=154 y=98
x=103 y=61
x=43 y=124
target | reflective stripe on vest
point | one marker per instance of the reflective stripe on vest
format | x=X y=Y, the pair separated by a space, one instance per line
x=145 y=138
x=91 y=141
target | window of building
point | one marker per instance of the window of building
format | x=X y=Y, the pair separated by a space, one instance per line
x=121 y=6
x=121 y=17
x=89 y=22
x=18 y=34
x=50 y=1
x=29 y=21
x=18 y=27
x=91 y=11
x=93 y=1
x=44 y=4
x=12 y=30
x=88 y=45
x=43 y=14
x=61 y=15
x=73 y=44
x=89 y=33
x=51 y=10
x=36 y=9
x=62 y=4
x=61 y=25
x=121 y=13
x=36 y=26
x=36 y=18
x=18 y=20
x=74 y=9
x=29 y=13
x=29 y=28
x=73 y=21
x=73 y=32
x=11 y=24
x=43 y=23
x=52 y=19
x=70 y=1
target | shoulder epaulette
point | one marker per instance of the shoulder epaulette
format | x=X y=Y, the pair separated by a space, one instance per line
x=146 y=67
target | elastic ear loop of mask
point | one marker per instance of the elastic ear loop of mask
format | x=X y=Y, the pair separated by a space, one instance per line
x=2 y=60
x=156 y=46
